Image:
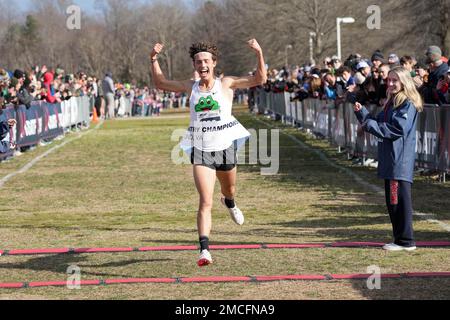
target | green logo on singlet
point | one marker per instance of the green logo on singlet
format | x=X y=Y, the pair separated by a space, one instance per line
x=207 y=104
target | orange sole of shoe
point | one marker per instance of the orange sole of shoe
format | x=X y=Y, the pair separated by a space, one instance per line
x=204 y=263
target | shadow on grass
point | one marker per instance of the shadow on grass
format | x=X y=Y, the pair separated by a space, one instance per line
x=406 y=289
x=334 y=222
x=93 y=227
x=305 y=170
x=308 y=172
x=59 y=264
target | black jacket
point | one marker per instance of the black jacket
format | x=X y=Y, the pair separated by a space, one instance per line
x=430 y=91
x=24 y=97
x=4 y=129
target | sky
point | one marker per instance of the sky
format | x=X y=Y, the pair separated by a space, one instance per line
x=85 y=5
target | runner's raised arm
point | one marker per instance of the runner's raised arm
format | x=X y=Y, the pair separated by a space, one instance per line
x=260 y=76
x=160 y=80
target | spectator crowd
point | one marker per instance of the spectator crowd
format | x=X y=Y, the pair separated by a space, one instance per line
x=54 y=86
x=364 y=79
x=357 y=78
x=109 y=99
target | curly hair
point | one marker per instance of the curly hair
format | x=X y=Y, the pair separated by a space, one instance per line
x=203 y=47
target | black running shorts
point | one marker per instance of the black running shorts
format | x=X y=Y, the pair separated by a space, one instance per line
x=225 y=160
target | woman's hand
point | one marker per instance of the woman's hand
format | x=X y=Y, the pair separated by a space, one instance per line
x=357 y=107
x=12 y=122
x=418 y=81
x=157 y=49
x=351 y=88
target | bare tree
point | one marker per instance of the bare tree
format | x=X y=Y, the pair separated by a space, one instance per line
x=120 y=35
x=430 y=25
x=175 y=36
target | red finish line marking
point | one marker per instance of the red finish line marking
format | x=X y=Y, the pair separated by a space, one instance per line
x=223 y=279
x=23 y=252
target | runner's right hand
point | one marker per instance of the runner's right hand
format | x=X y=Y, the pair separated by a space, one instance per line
x=157 y=49
x=357 y=107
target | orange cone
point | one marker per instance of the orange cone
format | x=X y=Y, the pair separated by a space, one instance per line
x=94 y=115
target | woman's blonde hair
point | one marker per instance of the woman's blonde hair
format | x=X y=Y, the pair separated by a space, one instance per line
x=408 y=91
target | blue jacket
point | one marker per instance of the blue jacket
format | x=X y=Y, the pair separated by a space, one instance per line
x=397 y=140
x=330 y=93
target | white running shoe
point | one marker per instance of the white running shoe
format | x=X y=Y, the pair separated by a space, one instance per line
x=396 y=247
x=205 y=259
x=235 y=213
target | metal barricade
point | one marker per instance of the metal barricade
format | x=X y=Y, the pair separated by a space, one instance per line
x=338 y=123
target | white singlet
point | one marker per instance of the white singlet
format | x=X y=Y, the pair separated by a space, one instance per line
x=213 y=128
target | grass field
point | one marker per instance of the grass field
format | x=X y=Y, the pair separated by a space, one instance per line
x=117 y=186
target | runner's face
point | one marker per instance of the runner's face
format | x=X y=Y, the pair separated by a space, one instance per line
x=204 y=65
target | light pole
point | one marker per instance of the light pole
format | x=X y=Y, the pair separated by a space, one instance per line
x=289 y=46
x=311 y=47
x=338 y=23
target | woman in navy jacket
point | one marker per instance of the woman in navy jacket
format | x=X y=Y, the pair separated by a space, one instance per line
x=395 y=127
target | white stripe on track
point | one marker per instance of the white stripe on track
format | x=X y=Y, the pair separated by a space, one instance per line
x=30 y=164
x=429 y=217
x=175 y=116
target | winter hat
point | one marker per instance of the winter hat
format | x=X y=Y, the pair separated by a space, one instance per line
x=19 y=74
x=394 y=58
x=48 y=77
x=433 y=54
x=377 y=56
x=362 y=65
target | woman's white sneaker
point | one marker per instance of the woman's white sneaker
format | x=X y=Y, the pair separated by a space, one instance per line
x=205 y=259
x=235 y=213
x=396 y=247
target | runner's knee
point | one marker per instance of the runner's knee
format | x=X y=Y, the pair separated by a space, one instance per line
x=206 y=205
x=229 y=191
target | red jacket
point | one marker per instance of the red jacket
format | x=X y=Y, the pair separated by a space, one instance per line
x=48 y=79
